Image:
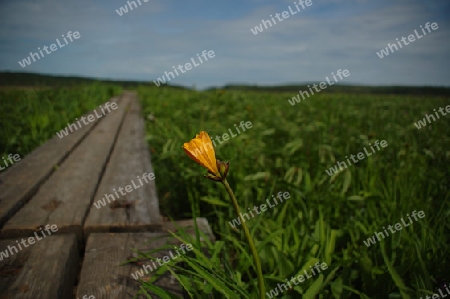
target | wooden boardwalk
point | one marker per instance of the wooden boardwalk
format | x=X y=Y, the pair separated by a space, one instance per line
x=59 y=186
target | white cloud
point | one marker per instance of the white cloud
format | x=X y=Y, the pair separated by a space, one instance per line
x=149 y=40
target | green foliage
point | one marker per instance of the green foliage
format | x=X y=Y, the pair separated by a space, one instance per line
x=31 y=117
x=350 y=89
x=40 y=80
x=327 y=218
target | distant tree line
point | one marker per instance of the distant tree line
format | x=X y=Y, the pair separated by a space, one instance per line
x=353 y=89
x=34 y=80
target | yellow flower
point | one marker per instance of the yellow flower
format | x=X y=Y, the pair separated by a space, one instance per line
x=201 y=150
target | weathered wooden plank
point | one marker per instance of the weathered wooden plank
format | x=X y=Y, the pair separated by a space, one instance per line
x=65 y=198
x=137 y=208
x=20 y=181
x=102 y=278
x=46 y=269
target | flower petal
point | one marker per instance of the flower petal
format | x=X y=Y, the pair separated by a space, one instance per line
x=201 y=150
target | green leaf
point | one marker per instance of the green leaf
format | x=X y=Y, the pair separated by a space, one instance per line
x=314 y=289
x=256 y=176
x=163 y=294
x=206 y=274
x=347 y=181
x=214 y=201
x=355 y=198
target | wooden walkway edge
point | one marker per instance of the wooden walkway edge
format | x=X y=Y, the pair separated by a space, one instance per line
x=21 y=181
x=57 y=189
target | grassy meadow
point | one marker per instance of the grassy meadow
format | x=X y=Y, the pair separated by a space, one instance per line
x=287 y=149
x=31 y=116
x=327 y=219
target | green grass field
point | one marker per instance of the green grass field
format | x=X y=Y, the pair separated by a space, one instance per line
x=327 y=219
x=287 y=149
x=29 y=117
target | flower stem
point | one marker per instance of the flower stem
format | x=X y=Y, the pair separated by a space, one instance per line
x=249 y=240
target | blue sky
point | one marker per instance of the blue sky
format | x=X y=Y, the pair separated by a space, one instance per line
x=147 y=41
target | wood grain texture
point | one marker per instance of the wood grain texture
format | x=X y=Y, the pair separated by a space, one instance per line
x=46 y=269
x=137 y=210
x=102 y=277
x=65 y=198
x=21 y=180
